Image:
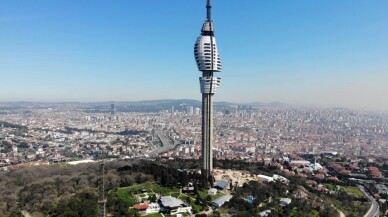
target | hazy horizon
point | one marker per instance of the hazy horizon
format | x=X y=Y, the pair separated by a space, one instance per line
x=325 y=53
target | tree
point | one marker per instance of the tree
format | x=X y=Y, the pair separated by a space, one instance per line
x=216 y=213
x=188 y=200
x=134 y=213
x=198 y=200
x=153 y=198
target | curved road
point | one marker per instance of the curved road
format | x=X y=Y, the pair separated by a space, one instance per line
x=374 y=209
x=25 y=213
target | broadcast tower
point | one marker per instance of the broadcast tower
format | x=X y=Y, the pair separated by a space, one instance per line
x=208 y=61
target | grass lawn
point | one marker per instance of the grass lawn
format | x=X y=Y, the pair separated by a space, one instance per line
x=126 y=192
x=223 y=211
x=219 y=194
x=183 y=197
x=160 y=215
x=142 y=195
x=203 y=193
x=163 y=190
x=126 y=196
x=353 y=190
x=330 y=186
x=154 y=215
x=175 y=194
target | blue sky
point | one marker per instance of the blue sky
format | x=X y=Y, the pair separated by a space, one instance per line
x=326 y=53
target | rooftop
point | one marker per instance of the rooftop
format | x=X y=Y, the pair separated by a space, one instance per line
x=168 y=201
x=221 y=200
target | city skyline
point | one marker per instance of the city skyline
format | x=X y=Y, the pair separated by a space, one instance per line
x=324 y=53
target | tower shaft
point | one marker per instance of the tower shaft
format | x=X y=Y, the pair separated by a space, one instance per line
x=207 y=135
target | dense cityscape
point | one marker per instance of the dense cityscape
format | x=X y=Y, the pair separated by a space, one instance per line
x=320 y=146
x=241 y=133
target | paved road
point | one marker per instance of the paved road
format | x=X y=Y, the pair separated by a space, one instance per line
x=339 y=211
x=374 y=210
x=166 y=142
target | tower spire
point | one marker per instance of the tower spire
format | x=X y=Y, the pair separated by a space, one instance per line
x=208 y=10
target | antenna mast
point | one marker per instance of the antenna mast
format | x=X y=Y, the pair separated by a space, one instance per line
x=101 y=193
x=208 y=10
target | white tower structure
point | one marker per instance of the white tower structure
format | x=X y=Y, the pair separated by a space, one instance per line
x=208 y=61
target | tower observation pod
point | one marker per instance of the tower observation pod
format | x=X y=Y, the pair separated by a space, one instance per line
x=208 y=61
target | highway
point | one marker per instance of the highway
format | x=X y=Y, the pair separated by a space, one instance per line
x=167 y=144
x=374 y=210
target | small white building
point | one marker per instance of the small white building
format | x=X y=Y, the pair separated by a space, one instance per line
x=153 y=208
x=212 y=191
x=265 y=178
x=265 y=213
x=281 y=179
x=284 y=201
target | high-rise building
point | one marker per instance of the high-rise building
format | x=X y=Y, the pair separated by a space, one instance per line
x=197 y=111
x=208 y=61
x=190 y=110
x=112 y=109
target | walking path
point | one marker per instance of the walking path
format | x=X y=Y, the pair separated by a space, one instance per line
x=25 y=213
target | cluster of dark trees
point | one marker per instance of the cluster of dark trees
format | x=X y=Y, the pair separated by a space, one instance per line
x=384 y=207
x=268 y=193
x=6 y=146
x=168 y=176
x=10 y=125
x=46 y=188
x=82 y=204
x=53 y=189
x=61 y=188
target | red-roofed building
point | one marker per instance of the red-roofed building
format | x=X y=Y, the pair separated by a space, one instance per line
x=345 y=172
x=337 y=167
x=319 y=176
x=311 y=182
x=332 y=178
x=375 y=172
x=321 y=188
x=147 y=208
x=288 y=172
x=354 y=167
x=302 y=175
x=141 y=207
